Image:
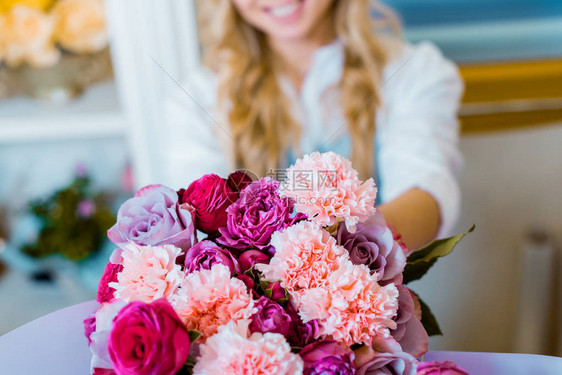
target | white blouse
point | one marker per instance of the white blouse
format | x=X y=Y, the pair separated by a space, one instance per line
x=416 y=135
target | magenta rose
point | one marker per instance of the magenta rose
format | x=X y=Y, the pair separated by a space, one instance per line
x=153 y=217
x=327 y=357
x=210 y=196
x=270 y=317
x=440 y=368
x=204 y=254
x=409 y=333
x=238 y=180
x=373 y=245
x=250 y=257
x=256 y=215
x=370 y=362
x=105 y=293
x=148 y=339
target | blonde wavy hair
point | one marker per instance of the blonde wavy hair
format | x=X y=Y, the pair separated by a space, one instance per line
x=258 y=112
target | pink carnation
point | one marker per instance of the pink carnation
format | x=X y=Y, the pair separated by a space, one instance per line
x=305 y=255
x=149 y=273
x=346 y=299
x=231 y=352
x=327 y=189
x=208 y=299
x=360 y=308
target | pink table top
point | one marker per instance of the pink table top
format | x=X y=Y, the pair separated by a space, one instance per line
x=55 y=344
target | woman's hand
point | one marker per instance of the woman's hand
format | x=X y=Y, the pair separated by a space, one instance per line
x=415 y=215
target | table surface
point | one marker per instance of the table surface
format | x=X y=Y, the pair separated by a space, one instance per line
x=55 y=344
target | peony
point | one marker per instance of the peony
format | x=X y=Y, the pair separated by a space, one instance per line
x=27 y=37
x=149 y=273
x=210 y=196
x=205 y=254
x=148 y=339
x=327 y=189
x=153 y=217
x=208 y=299
x=370 y=362
x=440 y=368
x=327 y=357
x=373 y=245
x=270 y=317
x=254 y=217
x=232 y=352
x=105 y=292
x=80 y=25
x=251 y=257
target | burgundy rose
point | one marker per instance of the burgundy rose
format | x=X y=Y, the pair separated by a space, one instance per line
x=250 y=257
x=440 y=368
x=210 y=196
x=270 y=317
x=238 y=180
x=205 y=254
x=327 y=357
x=254 y=217
x=148 y=339
x=373 y=245
x=105 y=293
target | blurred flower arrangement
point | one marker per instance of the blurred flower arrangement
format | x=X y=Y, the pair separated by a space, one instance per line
x=74 y=222
x=42 y=34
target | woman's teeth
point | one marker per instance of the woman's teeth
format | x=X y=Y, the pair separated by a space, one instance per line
x=284 y=10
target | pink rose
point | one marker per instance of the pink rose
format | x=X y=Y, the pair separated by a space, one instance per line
x=210 y=196
x=440 y=368
x=105 y=292
x=148 y=339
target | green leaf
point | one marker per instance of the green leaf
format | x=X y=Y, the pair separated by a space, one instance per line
x=194 y=335
x=419 y=262
x=428 y=320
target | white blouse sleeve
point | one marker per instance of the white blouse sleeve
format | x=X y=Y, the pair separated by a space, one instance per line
x=191 y=123
x=418 y=137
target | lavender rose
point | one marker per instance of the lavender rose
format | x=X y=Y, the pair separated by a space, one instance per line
x=153 y=217
x=409 y=333
x=148 y=339
x=256 y=215
x=370 y=362
x=105 y=293
x=250 y=257
x=373 y=245
x=209 y=196
x=270 y=317
x=327 y=357
x=205 y=254
x=440 y=368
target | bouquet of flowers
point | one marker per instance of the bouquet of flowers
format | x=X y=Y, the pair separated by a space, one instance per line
x=298 y=276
